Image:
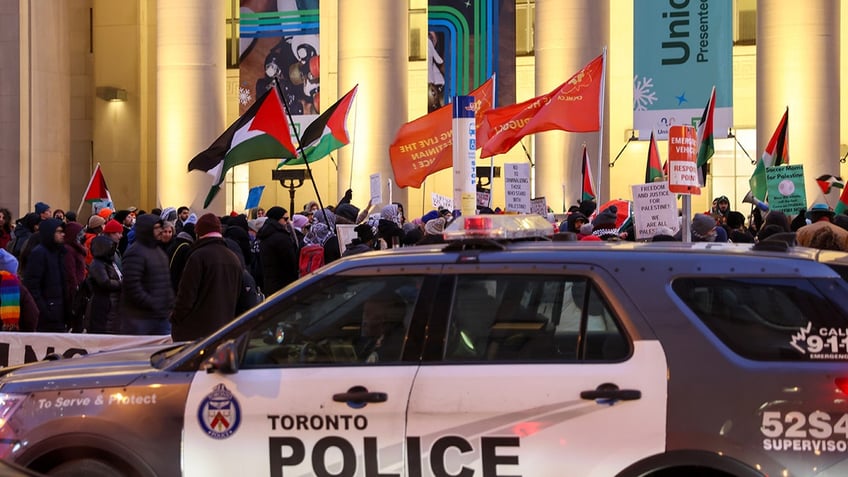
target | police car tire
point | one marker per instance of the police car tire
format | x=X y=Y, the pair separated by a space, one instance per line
x=85 y=467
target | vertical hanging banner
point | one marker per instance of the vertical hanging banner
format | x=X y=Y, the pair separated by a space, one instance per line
x=468 y=42
x=683 y=161
x=464 y=157
x=681 y=50
x=281 y=43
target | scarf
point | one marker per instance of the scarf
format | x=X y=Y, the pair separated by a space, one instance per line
x=10 y=301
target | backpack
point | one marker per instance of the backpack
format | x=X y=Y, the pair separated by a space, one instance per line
x=79 y=306
x=311 y=258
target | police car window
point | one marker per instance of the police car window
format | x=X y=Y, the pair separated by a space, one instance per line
x=355 y=320
x=510 y=318
x=766 y=319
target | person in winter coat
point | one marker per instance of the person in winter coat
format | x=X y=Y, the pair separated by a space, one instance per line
x=323 y=232
x=210 y=285
x=364 y=241
x=44 y=277
x=389 y=228
x=278 y=250
x=146 y=294
x=105 y=279
x=178 y=254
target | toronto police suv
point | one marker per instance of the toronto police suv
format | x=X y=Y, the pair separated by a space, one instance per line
x=480 y=357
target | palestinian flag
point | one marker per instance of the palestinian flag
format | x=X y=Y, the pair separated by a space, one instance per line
x=842 y=206
x=653 y=170
x=706 y=147
x=776 y=154
x=588 y=191
x=262 y=132
x=96 y=190
x=326 y=133
x=827 y=182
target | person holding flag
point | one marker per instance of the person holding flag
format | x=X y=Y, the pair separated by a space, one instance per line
x=775 y=154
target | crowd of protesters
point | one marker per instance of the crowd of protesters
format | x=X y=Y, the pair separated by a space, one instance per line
x=170 y=272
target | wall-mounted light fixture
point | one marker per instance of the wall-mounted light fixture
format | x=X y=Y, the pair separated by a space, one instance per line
x=110 y=93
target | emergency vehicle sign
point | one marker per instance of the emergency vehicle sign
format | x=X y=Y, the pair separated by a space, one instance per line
x=682 y=160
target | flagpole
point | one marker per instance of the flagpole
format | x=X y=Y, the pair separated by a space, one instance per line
x=302 y=153
x=601 y=126
x=90 y=181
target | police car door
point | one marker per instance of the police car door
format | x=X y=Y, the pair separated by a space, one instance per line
x=535 y=376
x=322 y=387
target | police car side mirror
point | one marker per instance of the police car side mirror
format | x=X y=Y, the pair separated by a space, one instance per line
x=224 y=359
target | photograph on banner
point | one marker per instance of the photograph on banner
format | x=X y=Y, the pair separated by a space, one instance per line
x=677 y=61
x=483 y=198
x=278 y=42
x=442 y=201
x=376 y=189
x=539 y=206
x=786 y=190
x=654 y=206
x=517 y=187
x=346 y=234
x=98 y=205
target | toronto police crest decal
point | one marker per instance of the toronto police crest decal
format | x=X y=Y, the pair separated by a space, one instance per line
x=219 y=413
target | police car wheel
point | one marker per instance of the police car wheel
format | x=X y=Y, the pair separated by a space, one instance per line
x=85 y=467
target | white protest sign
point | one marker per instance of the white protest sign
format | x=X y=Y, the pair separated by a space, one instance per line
x=442 y=201
x=539 y=206
x=654 y=206
x=517 y=187
x=346 y=234
x=376 y=189
x=483 y=198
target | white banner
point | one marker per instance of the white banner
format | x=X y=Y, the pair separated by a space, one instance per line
x=20 y=348
x=654 y=206
x=517 y=185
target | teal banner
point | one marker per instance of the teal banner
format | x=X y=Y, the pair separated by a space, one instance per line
x=681 y=49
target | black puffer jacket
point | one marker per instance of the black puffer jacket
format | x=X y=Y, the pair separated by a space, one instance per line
x=44 y=277
x=147 y=297
x=278 y=252
x=102 y=311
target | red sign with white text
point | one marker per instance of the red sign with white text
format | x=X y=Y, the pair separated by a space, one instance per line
x=683 y=160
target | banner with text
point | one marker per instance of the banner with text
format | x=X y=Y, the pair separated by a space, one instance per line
x=20 y=348
x=680 y=51
x=786 y=190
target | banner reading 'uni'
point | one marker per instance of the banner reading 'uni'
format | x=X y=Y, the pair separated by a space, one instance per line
x=681 y=50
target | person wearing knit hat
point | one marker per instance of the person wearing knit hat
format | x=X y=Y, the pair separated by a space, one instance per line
x=94 y=222
x=113 y=227
x=210 y=285
x=604 y=224
x=105 y=212
x=299 y=221
x=276 y=213
x=364 y=241
x=207 y=224
x=42 y=210
x=703 y=228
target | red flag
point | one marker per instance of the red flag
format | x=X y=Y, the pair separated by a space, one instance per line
x=424 y=146
x=653 y=171
x=96 y=190
x=573 y=106
x=588 y=192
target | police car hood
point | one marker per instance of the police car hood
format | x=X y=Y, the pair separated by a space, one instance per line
x=105 y=368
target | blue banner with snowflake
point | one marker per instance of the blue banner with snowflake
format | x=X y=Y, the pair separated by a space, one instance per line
x=680 y=51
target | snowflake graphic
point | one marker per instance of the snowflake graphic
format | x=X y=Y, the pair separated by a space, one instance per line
x=642 y=94
x=244 y=95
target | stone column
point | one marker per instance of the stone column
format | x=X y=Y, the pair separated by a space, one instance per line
x=568 y=36
x=191 y=98
x=798 y=67
x=373 y=50
x=45 y=137
x=12 y=195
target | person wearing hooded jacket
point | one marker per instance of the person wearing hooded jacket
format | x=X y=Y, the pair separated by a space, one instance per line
x=147 y=297
x=102 y=311
x=278 y=250
x=44 y=277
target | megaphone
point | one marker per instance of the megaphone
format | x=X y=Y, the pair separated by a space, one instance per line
x=749 y=198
